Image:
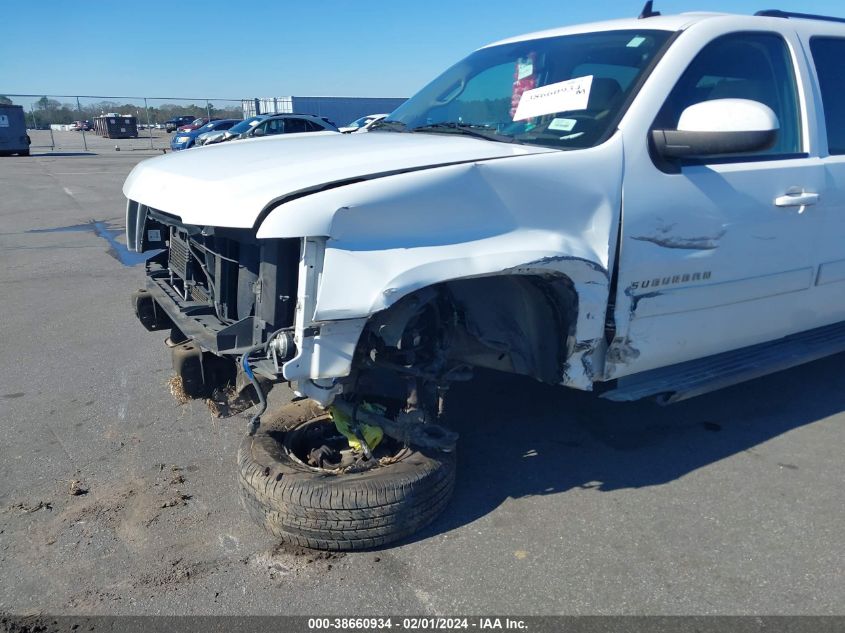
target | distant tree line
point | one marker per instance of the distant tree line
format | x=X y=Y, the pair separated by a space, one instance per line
x=46 y=111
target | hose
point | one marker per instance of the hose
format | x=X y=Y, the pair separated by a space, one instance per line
x=255 y=420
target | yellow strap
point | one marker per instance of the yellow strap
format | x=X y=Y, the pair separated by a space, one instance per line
x=372 y=434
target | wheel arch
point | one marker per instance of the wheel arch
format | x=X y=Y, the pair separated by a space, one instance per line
x=523 y=321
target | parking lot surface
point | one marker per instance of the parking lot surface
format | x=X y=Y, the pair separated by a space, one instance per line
x=64 y=142
x=731 y=503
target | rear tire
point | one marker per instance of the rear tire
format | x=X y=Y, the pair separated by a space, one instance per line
x=320 y=509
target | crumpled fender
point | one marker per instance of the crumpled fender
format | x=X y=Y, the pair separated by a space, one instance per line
x=552 y=212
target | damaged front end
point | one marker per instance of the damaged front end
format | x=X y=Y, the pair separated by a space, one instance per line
x=240 y=313
x=223 y=294
x=375 y=296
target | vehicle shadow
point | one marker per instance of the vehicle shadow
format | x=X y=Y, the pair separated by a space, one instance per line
x=521 y=438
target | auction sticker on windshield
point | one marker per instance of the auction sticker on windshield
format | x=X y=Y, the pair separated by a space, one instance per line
x=564 y=96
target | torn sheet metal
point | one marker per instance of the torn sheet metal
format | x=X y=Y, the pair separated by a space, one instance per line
x=550 y=213
x=392 y=236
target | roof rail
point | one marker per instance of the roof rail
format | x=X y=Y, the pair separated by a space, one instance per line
x=776 y=13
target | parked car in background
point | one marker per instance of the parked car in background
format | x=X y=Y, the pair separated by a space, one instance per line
x=195 y=124
x=289 y=124
x=185 y=139
x=363 y=124
x=176 y=122
x=220 y=136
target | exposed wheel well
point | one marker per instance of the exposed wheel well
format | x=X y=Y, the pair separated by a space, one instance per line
x=523 y=324
x=518 y=323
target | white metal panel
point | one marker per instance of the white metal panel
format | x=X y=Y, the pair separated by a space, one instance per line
x=719 y=220
x=554 y=212
x=230 y=184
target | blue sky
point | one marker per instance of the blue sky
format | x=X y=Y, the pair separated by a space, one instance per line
x=220 y=48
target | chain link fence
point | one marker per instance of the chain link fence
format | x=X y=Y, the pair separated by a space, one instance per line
x=68 y=123
x=95 y=124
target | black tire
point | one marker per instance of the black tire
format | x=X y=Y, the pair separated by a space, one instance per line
x=315 y=508
x=24 y=153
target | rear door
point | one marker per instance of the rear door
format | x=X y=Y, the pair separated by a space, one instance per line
x=826 y=45
x=715 y=254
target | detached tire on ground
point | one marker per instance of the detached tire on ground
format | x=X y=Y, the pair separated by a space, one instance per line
x=316 y=508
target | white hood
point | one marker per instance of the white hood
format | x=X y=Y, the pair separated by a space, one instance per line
x=229 y=184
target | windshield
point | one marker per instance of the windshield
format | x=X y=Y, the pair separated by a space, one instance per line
x=246 y=124
x=561 y=92
x=359 y=122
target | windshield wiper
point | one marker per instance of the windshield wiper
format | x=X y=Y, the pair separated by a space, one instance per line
x=469 y=129
x=391 y=126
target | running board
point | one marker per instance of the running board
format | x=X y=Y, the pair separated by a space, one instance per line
x=696 y=377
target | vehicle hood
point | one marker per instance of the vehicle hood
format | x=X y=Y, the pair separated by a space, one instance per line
x=230 y=184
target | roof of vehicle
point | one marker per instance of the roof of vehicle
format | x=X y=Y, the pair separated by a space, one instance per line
x=214 y=122
x=296 y=114
x=301 y=115
x=658 y=22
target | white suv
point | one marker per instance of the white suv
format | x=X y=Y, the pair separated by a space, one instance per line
x=645 y=207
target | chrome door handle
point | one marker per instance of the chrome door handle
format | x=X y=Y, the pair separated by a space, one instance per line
x=796 y=197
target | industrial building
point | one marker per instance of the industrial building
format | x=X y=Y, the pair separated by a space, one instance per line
x=340 y=110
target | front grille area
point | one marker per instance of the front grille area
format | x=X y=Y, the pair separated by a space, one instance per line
x=227 y=277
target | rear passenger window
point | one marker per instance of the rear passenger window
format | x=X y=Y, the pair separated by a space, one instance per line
x=293 y=126
x=828 y=56
x=755 y=66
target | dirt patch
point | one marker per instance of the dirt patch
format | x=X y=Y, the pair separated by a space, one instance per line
x=286 y=560
x=173 y=572
x=310 y=555
x=28 y=507
x=179 y=499
x=108 y=515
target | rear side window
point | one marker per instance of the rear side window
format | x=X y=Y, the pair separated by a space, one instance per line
x=755 y=66
x=828 y=56
x=292 y=126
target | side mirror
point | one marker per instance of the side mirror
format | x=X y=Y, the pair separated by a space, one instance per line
x=258 y=131
x=720 y=126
